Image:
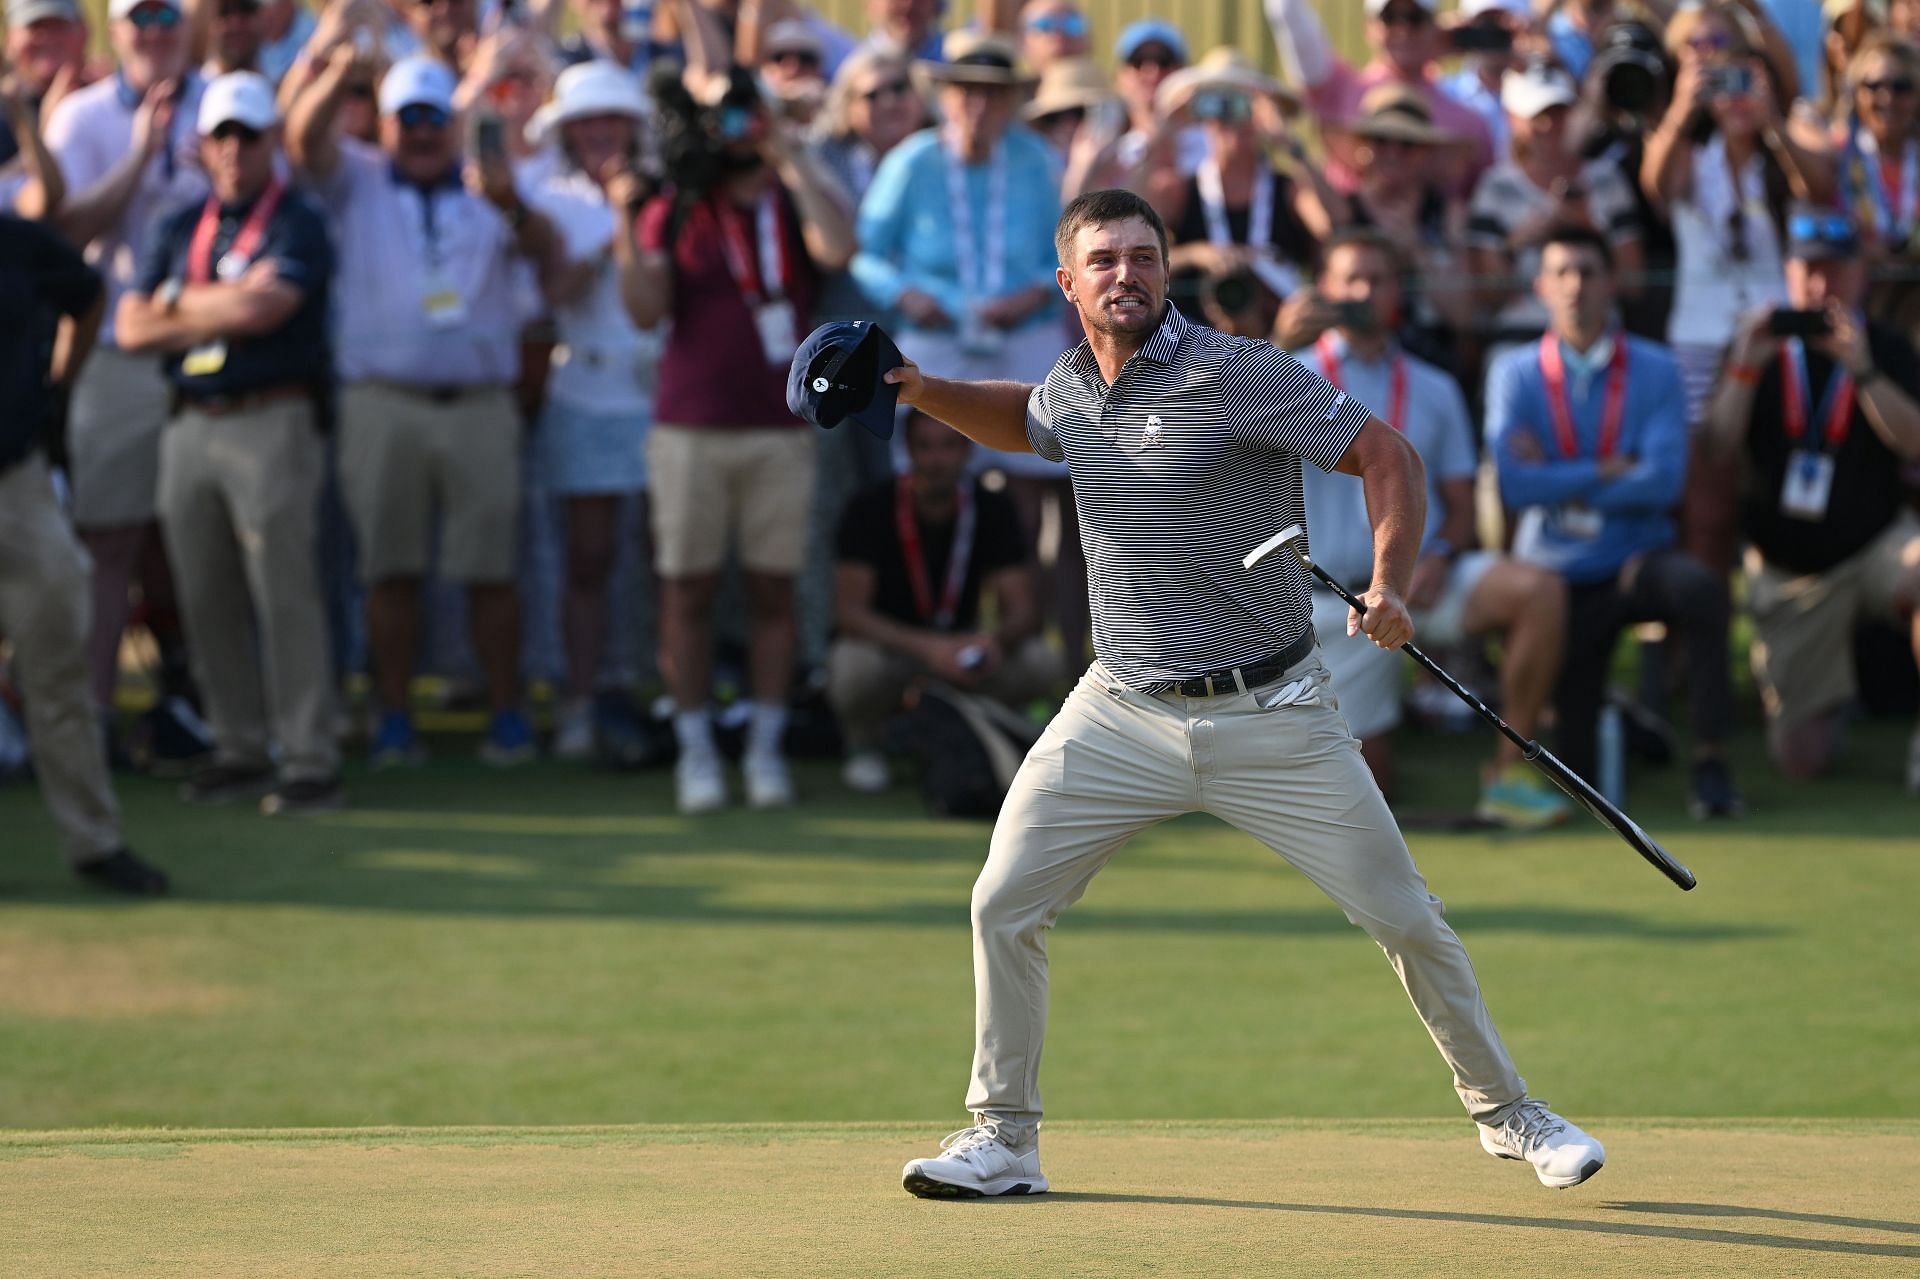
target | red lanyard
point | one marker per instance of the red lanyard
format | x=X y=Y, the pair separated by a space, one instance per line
x=1396 y=398
x=958 y=556
x=1555 y=372
x=1836 y=405
x=245 y=244
x=763 y=276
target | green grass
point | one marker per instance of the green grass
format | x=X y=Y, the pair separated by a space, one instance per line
x=552 y=946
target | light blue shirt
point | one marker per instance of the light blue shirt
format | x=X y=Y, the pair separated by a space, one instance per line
x=1466 y=88
x=1805 y=30
x=276 y=56
x=1438 y=427
x=907 y=226
x=1571 y=45
x=1634 y=510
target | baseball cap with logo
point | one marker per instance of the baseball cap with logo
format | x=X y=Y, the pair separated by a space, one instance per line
x=836 y=374
x=238 y=97
x=124 y=8
x=417 y=81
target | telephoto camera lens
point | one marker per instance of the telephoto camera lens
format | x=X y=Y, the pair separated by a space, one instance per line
x=1233 y=292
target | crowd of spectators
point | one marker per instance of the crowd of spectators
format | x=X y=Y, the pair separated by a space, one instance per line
x=327 y=328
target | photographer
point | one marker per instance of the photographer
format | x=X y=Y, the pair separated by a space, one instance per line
x=916 y=557
x=1819 y=405
x=1622 y=98
x=732 y=253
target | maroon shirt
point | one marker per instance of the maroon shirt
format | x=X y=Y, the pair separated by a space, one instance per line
x=714 y=371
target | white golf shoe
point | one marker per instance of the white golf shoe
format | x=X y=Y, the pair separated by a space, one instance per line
x=1560 y=1153
x=699 y=785
x=974 y=1164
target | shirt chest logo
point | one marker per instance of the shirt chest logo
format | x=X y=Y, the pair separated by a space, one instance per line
x=1150 y=438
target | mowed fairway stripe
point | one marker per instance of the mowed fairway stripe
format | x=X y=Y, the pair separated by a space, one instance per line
x=1306 y=1198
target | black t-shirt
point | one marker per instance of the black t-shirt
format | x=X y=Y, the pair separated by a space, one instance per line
x=296 y=353
x=1866 y=494
x=870 y=534
x=1289 y=237
x=41 y=276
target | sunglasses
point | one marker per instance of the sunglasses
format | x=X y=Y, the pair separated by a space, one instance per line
x=1899 y=87
x=1227 y=108
x=805 y=59
x=1409 y=17
x=234 y=129
x=362 y=91
x=238 y=9
x=1827 y=228
x=149 y=16
x=1737 y=247
x=415 y=114
x=1059 y=119
x=1071 y=25
x=1165 y=61
x=891 y=89
x=1713 y=41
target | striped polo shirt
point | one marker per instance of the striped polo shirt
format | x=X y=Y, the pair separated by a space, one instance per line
x=1187 y=462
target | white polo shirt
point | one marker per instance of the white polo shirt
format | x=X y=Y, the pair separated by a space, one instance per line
x=424 y=292
x=88 y=132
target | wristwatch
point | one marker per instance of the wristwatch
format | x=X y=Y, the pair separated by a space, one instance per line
x=169 y=295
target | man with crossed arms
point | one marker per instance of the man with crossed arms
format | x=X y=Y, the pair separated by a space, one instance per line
x=1185 y=447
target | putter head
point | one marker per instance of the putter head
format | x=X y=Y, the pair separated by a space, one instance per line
x=1292 y=539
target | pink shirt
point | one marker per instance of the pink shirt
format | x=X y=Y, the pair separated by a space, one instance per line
x=1336 y=99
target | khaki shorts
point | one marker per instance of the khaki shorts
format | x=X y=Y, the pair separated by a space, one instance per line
x=1803 y=626
x=713 y=485
x=405 y=456
x=120 y=402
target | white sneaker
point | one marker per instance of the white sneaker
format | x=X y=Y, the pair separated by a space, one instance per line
x=1560 y=1153
x=699 y=785
x=573 y=736
x=867 y=772
x=973 y=1164
x=769 y=785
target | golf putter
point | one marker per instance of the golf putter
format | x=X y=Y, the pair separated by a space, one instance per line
x=1293 y=540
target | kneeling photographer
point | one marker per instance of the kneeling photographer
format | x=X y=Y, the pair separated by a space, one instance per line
x=731 y=251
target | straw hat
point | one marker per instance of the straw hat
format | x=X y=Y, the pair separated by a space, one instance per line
x=1069 y=84
x=591 y=88
x=1223 y=68
x=1396 y=113
x=976 y=57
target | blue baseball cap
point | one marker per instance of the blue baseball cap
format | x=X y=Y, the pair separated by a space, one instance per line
x=836 y=374
x=1151 y=31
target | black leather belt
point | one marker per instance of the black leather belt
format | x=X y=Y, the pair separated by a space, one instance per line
x=1253 y=674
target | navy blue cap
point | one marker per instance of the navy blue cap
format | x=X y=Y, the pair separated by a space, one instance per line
x=836 y=374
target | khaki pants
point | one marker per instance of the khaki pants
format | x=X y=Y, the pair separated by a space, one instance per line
x=865 y=683
x=1114 y=762
x=44 y=603
x=239 y=503
x=715 y=486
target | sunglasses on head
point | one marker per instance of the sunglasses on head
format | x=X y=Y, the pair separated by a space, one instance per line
x=415 y=114
x=891 y=89
x=1411 y=16
x=1072 y=25
x=148 y=16
x=234 y=129
x=1899 y=86
x=1227 y=108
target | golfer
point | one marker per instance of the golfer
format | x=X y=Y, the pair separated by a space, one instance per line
x=1207 y=694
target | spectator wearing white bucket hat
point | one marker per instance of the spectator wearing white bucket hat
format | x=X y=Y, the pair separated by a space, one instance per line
x=233 y=297
x=429 y=348
x=589 y=448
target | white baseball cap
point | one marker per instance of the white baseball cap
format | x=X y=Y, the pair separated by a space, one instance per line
x=242 y=97
x=121 y=8
x=1471 y=9
x=1528 y=92
x=417 y=81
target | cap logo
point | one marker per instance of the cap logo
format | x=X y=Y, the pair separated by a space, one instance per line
x=821 y=385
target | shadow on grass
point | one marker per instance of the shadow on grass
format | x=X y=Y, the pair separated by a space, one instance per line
x=1777 y=1214
x=1692 y=1234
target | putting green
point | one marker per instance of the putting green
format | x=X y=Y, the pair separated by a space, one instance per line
x=1688 y=1198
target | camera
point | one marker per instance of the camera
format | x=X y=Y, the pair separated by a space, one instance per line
x=1797 y=324
x=1733 y=81
x=699 y=144
x=1630 y=68
x=1480 y=37
x=1232 y=292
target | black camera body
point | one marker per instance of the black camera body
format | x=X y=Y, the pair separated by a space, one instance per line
x=1631 y=69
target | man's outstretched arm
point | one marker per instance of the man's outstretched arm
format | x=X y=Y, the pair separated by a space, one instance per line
x=991 y=414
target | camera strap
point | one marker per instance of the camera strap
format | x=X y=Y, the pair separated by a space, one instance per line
x=989 y=259
x=1397 y=397
x=1836 y=402
x=1213 y=203
x=959 y=555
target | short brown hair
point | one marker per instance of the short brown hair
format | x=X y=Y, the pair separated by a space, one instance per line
x=1363 y=237
x=1098 y=209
